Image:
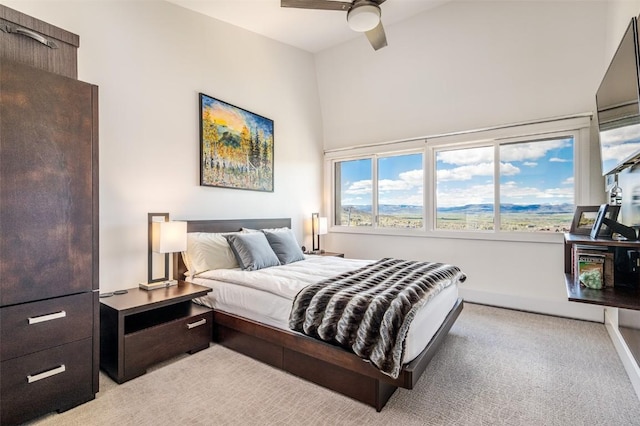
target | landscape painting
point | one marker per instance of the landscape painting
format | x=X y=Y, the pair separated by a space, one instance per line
x=236 y=147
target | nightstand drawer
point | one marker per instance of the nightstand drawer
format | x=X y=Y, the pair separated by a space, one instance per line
x=149 y=346
x=55 y=379
x=35 y=326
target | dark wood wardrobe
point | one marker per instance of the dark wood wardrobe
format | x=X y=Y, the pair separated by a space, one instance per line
x=49 y=321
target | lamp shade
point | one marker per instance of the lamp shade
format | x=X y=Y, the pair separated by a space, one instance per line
x=363 y=18
x=169 y=237
x=322 y=226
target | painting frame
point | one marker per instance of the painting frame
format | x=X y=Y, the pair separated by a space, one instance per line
x=599 y=229
x=583 y=219
x=236 y=147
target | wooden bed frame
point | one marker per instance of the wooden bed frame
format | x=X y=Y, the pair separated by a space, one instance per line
x=317 y=361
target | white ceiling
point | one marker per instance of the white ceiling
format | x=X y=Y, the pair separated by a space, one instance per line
x=310 y=30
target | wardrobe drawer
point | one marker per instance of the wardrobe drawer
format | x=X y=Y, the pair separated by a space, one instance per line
x=56 y=379
x=32 y=327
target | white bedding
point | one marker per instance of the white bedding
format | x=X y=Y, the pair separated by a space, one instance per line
x=266 y=295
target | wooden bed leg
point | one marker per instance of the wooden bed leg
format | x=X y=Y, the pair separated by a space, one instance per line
x=384 y=392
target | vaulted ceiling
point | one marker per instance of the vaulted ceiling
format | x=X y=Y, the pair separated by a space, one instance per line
x=310 y=30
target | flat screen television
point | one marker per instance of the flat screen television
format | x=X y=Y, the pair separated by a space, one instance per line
x=618 y=106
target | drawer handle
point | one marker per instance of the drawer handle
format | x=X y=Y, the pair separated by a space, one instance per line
x=48 y=317
x=203 y=321
x=32 y=34
x=52 y=372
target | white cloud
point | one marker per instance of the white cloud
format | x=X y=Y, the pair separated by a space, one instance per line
x=474 y=194
x=471 y=171
x=360 y=187
x=512 y=193
x=558 y=160
x=413 y=177
x=405 y=190
x=619 y=152
x=531 y=150
x=467 y=156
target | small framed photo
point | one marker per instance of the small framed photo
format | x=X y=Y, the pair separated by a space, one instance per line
x=583 y=219
x=601 y=230
x=611 y=214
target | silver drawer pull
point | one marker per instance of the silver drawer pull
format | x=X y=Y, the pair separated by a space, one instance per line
x=48 y=317
x=52 y=372
x=32 y=34
x=203 y=321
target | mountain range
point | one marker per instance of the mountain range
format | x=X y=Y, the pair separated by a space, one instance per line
x=389 y=209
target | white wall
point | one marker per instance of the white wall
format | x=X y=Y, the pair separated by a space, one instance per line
x=464 y=66
x=150 y=60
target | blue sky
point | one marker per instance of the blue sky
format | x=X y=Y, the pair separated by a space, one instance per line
x=538 y=172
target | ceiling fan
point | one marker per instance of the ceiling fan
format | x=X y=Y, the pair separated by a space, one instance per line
x=362 y=16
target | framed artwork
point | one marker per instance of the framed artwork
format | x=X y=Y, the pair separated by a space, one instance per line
x=583 y=219
x=599 y=229
x=236 y=147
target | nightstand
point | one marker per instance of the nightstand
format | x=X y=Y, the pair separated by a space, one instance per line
x=327 y=253
x=141 y=328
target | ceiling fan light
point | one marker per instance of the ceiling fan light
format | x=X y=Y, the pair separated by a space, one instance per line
x=363 y=18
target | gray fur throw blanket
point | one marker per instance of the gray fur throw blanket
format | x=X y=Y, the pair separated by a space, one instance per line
x=369 y=310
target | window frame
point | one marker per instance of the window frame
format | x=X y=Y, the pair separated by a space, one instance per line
x=374 y=157
x=578 y=126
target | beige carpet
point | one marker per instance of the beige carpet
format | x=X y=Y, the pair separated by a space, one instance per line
x=496 y=367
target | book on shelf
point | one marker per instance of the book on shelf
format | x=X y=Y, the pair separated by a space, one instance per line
x=590 y=250
x=590 y=270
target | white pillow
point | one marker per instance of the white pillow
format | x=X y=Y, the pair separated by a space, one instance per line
x=207 y=251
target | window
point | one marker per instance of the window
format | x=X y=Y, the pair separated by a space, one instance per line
x=536 y=185
x=397 y=181
x=400 y=191
x=353 y=193
x=535 y=192
x=512 y=182
x=465 y=189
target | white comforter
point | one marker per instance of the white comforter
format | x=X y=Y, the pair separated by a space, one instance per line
x=287 y=280
x=266 y=295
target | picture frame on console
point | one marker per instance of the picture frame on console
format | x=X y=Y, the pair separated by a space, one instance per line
x=608 y=214
x=583 y=219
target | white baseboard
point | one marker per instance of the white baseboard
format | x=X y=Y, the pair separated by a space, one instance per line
x=560 y=308
x=627 y=358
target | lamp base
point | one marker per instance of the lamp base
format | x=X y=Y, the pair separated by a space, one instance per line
x=159 y=284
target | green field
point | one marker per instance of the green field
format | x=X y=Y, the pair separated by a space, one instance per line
x=516 y=222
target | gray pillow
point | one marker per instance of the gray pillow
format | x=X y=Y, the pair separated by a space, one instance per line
x=284 y=244
x=252 y=250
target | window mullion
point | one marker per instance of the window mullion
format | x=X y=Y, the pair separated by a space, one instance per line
x=496 y=186
x=374 y=191
x=428 y=194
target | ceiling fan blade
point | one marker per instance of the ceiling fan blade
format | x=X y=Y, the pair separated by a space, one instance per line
x=316 y=4
x=377 y=37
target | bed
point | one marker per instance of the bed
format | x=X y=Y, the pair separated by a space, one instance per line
x=258 y=329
